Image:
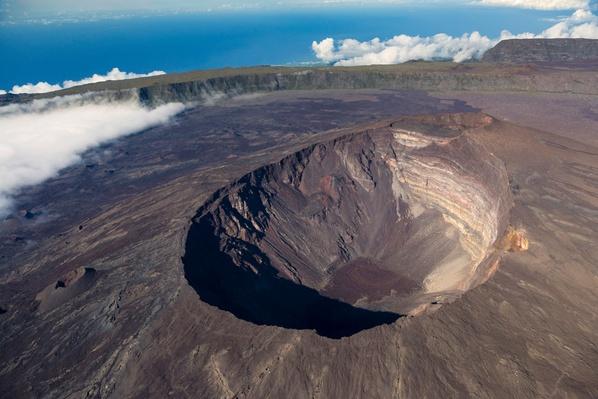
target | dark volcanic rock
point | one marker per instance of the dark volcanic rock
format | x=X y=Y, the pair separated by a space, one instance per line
x=136 y=328
x=524 y=51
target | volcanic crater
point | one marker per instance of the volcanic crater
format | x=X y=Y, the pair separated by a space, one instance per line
x=357 y=231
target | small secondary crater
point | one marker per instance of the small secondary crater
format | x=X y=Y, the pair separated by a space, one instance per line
x=355 y=232
x=72 y=284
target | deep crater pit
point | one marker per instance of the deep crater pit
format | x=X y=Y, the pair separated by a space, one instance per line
x=355 y=232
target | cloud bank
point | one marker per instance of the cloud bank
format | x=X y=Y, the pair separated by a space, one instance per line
x=538 y=4
x=402 y=48
x=40 y=138
x=45 y=87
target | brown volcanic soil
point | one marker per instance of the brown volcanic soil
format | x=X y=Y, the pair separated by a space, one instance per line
x=140 y=330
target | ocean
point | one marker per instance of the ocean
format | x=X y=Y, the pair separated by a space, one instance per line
x=32 y=52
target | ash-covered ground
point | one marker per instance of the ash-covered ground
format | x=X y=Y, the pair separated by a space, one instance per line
x=163 y=264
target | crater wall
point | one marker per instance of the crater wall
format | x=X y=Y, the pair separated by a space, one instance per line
x=439 y=76
x=384 y=221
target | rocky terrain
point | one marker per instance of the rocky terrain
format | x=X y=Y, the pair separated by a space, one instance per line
x=530 y=51
x=325 y=242
x=202 y=86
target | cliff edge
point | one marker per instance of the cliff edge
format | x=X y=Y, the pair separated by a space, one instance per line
x=533 y=51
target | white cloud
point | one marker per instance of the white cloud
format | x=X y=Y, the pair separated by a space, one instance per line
x=40 y=138
x=538 y=4
x=45 y=87
x=2 y=92
x=402 y=48
x=39 y=87
x=114 y=74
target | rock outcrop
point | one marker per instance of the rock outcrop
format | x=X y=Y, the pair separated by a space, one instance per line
x=524 y=51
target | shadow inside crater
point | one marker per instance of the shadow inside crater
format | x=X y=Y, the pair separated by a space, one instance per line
x=264 y=298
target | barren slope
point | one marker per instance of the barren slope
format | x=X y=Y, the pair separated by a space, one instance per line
x=95 y=301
